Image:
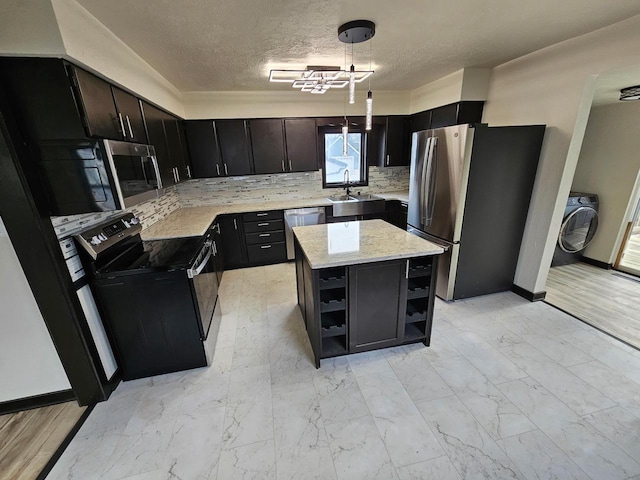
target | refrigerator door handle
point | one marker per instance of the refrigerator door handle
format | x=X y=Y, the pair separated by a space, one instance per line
x=428 y=183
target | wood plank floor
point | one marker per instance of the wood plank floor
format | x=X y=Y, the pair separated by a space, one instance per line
x=29 y=439
x=606 y=299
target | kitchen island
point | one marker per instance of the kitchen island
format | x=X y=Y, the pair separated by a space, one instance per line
x=364 y=285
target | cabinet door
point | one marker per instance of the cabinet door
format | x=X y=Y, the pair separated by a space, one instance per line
x=186 y=161
x=375 y=145
x=421 y=121
x=267 y=145
x=171 y=126
x=128 y=108
x=98 y=107
x=232 y=243
x=301 y=139
x=234 y=147
x=397 y=142
x=203 y=149
x=153 y=118
x=377 y=304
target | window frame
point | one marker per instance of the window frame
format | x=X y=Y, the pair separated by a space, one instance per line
x=363 y=181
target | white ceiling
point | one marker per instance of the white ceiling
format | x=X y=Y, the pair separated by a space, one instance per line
x=207 y=45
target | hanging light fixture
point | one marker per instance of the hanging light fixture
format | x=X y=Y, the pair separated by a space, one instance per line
x=352 y=84
x=359 y=31
x=369 y=105
x=345 y=137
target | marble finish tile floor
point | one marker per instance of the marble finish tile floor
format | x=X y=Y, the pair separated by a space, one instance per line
x=508 y=390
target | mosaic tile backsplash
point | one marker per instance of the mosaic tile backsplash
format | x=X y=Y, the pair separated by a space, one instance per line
x=257 y=188
x=246 y=189
x=148 y=212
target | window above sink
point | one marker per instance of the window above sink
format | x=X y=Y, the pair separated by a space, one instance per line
x=338 y=169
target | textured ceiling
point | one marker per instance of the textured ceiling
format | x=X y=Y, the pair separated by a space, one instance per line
x=208 y=45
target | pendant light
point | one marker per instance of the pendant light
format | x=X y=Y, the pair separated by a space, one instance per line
x=345 y=124
x=369 y=105
x=358 y=31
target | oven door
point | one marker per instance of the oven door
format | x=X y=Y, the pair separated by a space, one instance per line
x=205 y=285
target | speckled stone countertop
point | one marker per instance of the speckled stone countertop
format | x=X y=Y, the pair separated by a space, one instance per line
x=194 y=221
x=350 y=243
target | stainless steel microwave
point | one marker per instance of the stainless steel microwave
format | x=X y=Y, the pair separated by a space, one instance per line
x=97 y=175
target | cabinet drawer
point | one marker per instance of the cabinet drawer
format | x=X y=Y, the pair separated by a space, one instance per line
x=259 y=216
x=264 y=237
x=268 y=253
x=263 y=226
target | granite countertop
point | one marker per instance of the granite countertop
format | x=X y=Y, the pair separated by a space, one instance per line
x=194 y=221
x=349 y=243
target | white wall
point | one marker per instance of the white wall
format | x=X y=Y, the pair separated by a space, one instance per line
x=29 y=363
x=554 y=86
x=29 y=27
x=609 y=164
x=290 y=103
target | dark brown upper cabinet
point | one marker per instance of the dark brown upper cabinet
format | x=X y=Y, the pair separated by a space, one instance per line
x=301 y=137
x=153 y=118
x=267 y=144
x=204 y=150
x=397 y=141
x=97 y=106
x=235 y=148
x=130 y=116
x=108 y=111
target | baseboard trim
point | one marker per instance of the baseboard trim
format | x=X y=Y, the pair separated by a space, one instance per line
x=36 y=401
x=597 y=263
x=532 y=297
x=65 y=443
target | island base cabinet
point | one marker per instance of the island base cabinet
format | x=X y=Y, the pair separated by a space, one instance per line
x=357 y=308
x=377 y=304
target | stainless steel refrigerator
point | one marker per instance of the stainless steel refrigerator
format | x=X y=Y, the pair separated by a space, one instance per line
x=470 y=188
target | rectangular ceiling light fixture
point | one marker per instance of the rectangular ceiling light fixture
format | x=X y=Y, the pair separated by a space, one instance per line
x=318 y=79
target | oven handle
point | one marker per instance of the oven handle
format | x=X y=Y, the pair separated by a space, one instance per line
x=192 y=272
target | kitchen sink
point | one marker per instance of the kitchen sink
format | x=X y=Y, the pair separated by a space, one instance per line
x=355 y=205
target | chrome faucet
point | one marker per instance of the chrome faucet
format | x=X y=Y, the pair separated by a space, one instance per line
x=345 y=180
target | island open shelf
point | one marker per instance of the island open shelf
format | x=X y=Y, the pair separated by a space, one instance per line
x=363 y=286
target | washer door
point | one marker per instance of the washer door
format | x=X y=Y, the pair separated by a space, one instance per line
x=578 y=229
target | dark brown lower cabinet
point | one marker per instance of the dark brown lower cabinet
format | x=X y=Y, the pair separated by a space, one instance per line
x=377 y=304
x=356 y=308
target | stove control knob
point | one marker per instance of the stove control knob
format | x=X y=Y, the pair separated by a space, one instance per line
x=95 y=240
x=126 y=224
x=134 y=221
x=102 y=237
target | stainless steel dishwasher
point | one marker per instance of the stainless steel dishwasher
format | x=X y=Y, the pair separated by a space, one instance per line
x=297 y=218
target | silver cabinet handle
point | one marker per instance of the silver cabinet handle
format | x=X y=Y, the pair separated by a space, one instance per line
x=188 y=171
x=124 y=132
x=235 y=224
x=387 y=160
x=218 y=227
x=175 y=178
x=282 y=165
x=226 y=172
x=215 y=248
x=406 y=273
x=290 y=165
x=264 y=235
x=129 y=125
x=265 y=246
x=218 y=169
x=263 y=224
x=261 y=214
x=177 y=175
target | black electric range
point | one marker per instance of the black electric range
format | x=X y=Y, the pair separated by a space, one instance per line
x=157 y=298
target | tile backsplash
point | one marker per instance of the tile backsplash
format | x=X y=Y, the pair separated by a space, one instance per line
x=148 y=212
x=259 y=188
x=226 y=190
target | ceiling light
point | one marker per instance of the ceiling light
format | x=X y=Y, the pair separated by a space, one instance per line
x=630 y=93
x=369 y=111
x=318 y=79
x=352 y=85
